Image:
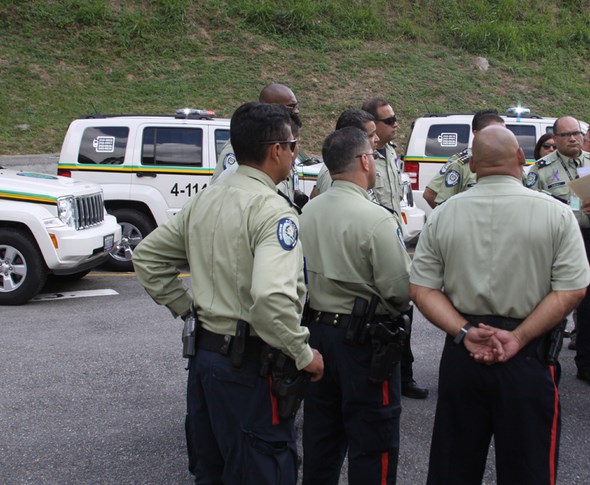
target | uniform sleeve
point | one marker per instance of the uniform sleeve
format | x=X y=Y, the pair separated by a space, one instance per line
x=570 y=269
x=533 y=181
x=156 y=260
x=451 y=183
x=427 y=264
x=278 y=288
x=391 y=265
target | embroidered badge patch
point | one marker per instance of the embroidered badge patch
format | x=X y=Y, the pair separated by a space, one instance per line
x=228 y=160
x=400 y=236
x=445 y=167
x=287 y=234
x=556 y=184
x=531 y=179
x=452 y=178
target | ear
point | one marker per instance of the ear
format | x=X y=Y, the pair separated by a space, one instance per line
x=471 y=164
x=365 y=163
x=521 y=156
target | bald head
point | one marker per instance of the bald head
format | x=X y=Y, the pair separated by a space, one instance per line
x=276 y=93
x=496 y=152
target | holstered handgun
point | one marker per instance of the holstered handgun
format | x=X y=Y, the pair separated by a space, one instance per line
x=550 y=346
x=362 y=312
x=189 y=335
x=288 y=383
x=387 y=345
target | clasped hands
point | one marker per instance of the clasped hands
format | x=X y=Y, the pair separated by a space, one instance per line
x=490 y=345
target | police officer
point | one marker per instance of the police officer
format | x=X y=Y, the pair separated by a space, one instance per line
x=349 y=117
x=274 y=93
x=389 y=192
x=466 y=273
x=240 y=239
x=552 y=173
x=353 y=252
x=455 y=176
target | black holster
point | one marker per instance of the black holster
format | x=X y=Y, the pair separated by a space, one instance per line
x=288 y=383
x=550 y=345
x=189 y=335
x=387 y=342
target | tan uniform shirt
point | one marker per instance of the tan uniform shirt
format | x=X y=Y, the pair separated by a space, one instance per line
x=225 y=160
x=454 y=177
x=388 y=188
x=240 y=239
x=553 y=172
x=353 y=248
x=324 y=180
x=499 y=249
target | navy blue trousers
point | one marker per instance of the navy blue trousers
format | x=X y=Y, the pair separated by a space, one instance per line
x=516 y=402
x=234 y=435
x=583 y=324
x=346 y=412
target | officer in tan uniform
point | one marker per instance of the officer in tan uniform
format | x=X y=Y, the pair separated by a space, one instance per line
x=498 y=268
x=389 y=192
x=274 y=93
x=240 y=239
x=552 y=174
x=354 y=255
x=455 y=176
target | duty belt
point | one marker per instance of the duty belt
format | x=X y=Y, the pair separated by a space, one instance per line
x=215 y=342
x=339 y=319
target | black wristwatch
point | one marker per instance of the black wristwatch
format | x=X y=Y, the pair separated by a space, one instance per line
x=461 y=335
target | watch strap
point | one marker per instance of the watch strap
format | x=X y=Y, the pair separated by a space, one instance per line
x=461 y=335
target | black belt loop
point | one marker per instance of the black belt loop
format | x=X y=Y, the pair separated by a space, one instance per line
x=221 y=344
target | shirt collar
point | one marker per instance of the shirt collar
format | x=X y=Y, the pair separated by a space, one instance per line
x=257 y=174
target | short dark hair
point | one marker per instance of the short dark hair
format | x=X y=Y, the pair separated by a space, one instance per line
x=354 y=117
x=486 y=119
x=373 y=104
x=255 y=123
x=475 y=123
x=341 y=148
x=543 y=138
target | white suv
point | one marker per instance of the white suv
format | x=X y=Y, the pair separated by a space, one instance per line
x=49 y=225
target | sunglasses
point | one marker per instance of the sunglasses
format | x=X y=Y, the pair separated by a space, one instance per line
x=292 y=143
x=373 y=154
x=389 y=121
x=549 y=145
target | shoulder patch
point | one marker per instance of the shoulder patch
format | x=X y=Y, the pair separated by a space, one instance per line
x=445 y=167
x=287 y=233
x=452 y=178
x=400 y=236
x=531 y=179
x=228 y=160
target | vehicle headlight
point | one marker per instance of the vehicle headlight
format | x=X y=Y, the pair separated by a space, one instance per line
x=66 y=210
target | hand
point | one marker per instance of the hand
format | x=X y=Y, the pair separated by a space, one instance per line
x=509 y=342
x=316 y=366
x=483 y=345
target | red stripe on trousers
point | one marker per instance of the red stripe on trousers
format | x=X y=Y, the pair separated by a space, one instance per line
x=274 y=405
x=553 y=448
x=385 y=455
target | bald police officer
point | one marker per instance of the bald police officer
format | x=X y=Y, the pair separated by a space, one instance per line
x=552 y=173
x=240 y=239
x=354 y=254
x=467 y=272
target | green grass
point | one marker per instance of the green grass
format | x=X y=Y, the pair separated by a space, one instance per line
x=61 y=59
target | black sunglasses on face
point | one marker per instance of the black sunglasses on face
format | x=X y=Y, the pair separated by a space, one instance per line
x=389 y=121
x=549 y=145
x=292 y=143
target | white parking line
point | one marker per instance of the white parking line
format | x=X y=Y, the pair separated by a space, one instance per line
x=74 y=294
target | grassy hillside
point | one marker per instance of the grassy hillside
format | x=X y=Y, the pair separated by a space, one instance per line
x=61 y=59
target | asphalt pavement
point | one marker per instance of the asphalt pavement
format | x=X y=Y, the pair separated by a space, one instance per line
x=93 y=392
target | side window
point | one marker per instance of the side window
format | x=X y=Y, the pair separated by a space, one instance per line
x=446 y=140
x=104 y=145
x=221 y=138
x=526 y=136
x=172 y=146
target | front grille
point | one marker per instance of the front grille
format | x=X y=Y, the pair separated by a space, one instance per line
x=89 y=210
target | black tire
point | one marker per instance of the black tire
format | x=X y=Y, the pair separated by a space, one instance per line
x=22 y=268
x=135 y=226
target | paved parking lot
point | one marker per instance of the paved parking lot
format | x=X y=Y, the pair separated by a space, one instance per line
x=93 y=392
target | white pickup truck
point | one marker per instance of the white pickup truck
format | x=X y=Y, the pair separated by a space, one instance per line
x=49 y=225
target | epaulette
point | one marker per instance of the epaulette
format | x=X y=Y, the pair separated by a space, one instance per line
x=463 y=156
x=291 y=203
x=544 y=162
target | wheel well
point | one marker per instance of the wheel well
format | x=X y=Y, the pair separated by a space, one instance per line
x=112 y=205
x=18 y=225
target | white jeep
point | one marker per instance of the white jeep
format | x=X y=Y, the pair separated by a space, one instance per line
x=49 y=225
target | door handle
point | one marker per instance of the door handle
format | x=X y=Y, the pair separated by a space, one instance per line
x=146 y=174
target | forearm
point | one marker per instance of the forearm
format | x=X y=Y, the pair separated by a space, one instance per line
x=429 y=195
x=553 y=309
x=437 y=308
